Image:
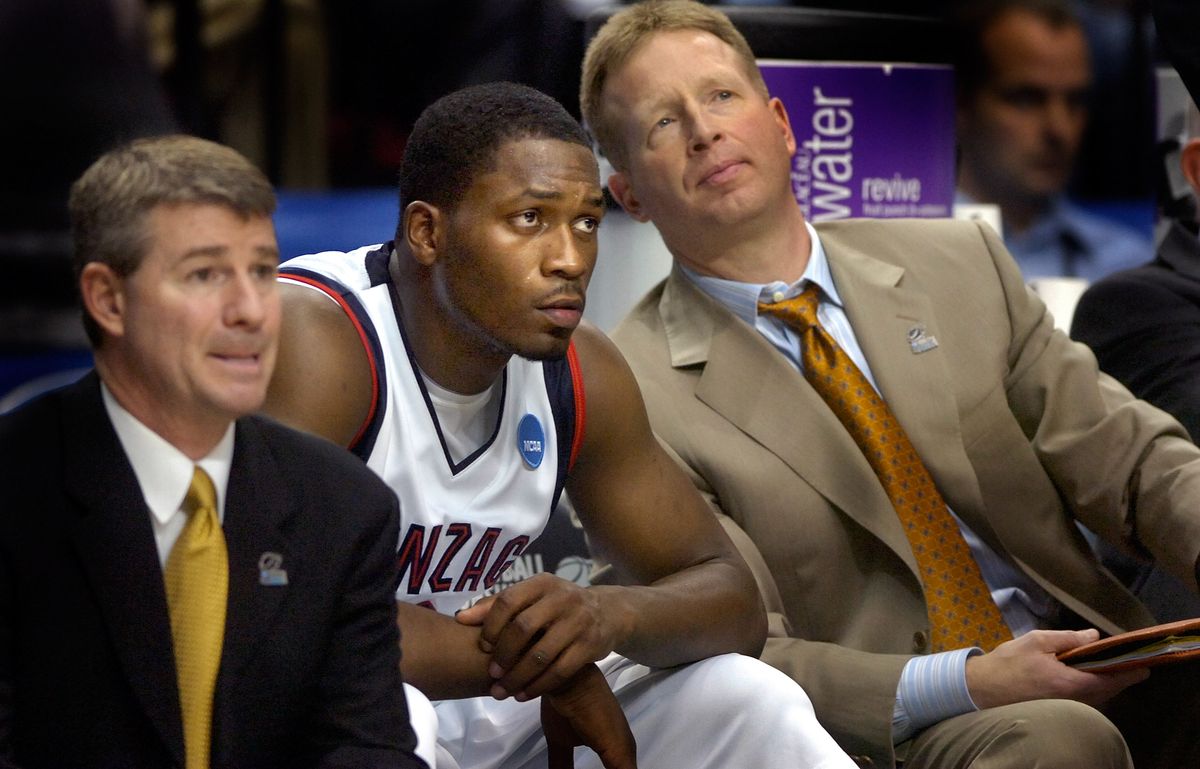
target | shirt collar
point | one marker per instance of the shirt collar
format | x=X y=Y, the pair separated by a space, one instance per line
x=742 y=298
x=163 y=472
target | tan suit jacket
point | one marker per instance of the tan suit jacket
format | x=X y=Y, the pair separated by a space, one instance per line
x=1020 y=432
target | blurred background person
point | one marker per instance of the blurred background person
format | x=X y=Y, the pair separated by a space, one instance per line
x=1024 y=78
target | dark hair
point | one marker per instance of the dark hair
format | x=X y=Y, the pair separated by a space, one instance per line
x=972 y=20
x=455 y=139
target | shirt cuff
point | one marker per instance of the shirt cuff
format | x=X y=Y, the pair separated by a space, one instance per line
x=932 y=688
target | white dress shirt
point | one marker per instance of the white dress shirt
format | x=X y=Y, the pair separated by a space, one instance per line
x=164 y=473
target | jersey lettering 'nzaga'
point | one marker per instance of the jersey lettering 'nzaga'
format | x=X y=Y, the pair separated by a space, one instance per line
x=481 y=571
x=462 y=524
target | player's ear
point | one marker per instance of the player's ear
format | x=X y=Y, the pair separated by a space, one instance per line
x=622 y=192
x=103 y=294
x=422 y=230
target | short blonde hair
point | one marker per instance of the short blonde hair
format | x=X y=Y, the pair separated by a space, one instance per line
x=624 y=33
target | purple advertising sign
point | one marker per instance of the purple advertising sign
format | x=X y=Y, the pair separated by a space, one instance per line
x=872 y=139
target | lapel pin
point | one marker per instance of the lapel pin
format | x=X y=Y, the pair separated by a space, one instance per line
x=919 y=341
x=269 y=573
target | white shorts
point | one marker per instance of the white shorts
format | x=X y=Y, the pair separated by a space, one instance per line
x=725 y=712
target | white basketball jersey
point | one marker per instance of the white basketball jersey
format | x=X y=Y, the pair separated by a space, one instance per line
x=461 y=523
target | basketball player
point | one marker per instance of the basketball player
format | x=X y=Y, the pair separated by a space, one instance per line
x=454 y=362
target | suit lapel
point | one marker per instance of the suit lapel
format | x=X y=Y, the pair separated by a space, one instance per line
x=257 y=504
x=115 y=541
x=742 y=375
x=915 y=384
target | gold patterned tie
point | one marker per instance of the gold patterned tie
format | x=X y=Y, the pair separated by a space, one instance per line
x=197 y=580
x=961 y=610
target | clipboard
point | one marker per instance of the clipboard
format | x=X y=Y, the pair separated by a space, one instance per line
x=1163 y=644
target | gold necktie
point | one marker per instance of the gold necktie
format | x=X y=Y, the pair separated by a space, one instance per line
x=961 y=610
x=197 y=580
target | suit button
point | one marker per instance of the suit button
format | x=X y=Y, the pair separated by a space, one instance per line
x=920 y=642
x=864 y=761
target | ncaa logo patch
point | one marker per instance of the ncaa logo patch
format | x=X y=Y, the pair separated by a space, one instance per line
x=531 y=441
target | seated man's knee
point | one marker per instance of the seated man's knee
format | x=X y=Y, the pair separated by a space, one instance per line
x=1040 y=734
x=1065 y=733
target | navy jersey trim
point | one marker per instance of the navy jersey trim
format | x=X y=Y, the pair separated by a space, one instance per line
x=566 y=402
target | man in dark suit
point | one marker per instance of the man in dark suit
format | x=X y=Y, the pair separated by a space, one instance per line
x=182 y=584
x=764 y=352
x=1142 y=322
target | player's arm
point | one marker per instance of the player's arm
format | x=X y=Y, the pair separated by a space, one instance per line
x=439 y=656
x=689 y=594
x=686 y=593
x=322 y=381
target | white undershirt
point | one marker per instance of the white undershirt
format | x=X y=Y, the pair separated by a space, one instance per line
x=467 y=420
x=164 y=473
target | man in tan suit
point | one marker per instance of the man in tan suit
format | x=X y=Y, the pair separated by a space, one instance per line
x=1021 y=435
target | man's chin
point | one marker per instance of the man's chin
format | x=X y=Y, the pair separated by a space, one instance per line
x=543 y=355
x=553 y=350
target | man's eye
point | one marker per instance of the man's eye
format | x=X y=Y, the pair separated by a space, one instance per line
x=528 y=218
x=663 y=122
x=588 y=224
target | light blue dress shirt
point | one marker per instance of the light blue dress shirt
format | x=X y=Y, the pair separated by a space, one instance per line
x=932 y=687
x=1070 y=241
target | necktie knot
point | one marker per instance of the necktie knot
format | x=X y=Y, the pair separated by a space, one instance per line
x=799 y=312
x=201 y=494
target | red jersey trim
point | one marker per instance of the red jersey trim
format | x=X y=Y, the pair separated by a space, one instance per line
x=580 y=399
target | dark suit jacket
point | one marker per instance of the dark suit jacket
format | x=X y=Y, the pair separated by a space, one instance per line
x=1020 y=433
x=309 y=671
x=1144 y=326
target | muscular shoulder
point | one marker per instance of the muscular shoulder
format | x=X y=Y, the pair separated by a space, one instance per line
x=599 y=359
x=612 y=394
x=322 y=382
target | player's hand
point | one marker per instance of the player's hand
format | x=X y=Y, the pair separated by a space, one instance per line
x=539 y=632
x=1025 y=669
x=585 y=712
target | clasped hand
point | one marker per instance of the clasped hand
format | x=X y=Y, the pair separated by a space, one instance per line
x=543 y=635
x=539 y=633
x=585 y=712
